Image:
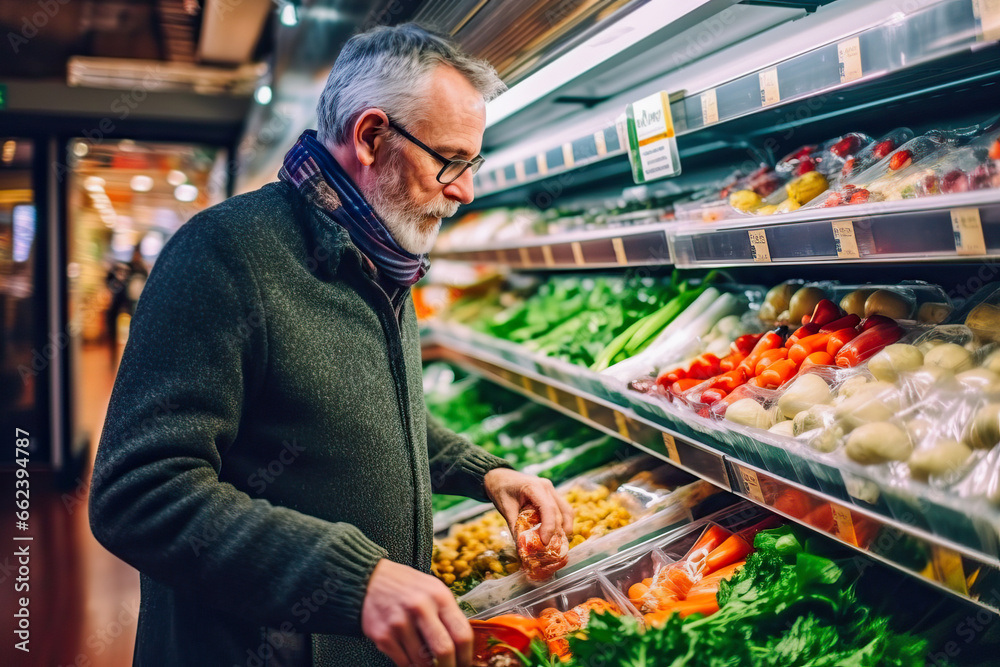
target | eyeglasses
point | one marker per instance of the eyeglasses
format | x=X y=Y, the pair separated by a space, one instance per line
x=452 y=169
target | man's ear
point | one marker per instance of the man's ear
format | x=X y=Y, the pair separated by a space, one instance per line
x=369 y=131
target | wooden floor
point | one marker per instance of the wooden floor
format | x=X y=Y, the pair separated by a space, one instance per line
x=84 y=602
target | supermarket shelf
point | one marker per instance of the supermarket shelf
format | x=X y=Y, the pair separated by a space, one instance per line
x=953 y=568
x=893 y=59
x=640 y=245
x=912 y=230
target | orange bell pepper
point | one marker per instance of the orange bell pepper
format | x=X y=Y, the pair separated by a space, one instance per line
x=777 y=373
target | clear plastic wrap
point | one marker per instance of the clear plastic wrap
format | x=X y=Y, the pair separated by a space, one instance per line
x=539 y=560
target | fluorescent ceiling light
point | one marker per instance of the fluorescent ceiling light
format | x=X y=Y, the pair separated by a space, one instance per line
x=624 y=33
x=263 y=95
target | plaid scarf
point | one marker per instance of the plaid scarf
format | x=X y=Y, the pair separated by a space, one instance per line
x=312 y=170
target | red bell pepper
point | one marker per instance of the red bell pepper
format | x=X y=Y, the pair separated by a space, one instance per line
x=826 y=311
x=710 y=396
x=768 y=341
x=745 y=343
x=874 y=321
x=839 y=339
x=704 y=367
x=868 y=343
x=777 y=374
x=769 y=358
x=669 y=377
x=802 y=332
x=807 y=346
x=848 y=321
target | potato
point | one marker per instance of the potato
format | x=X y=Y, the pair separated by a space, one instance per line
x=950 y=357
x=890 y=304
x=943 y=457
x=992 y=362
x=893 y=360
x=828 y=439
x=815 y=417
x=803 y=303
x=984 y=430
x=918 y=429
x=783 y=428
x=851 y=385
x=933 y=313
x=854 y=302
x=875 y=402
x=749 y=412
x=878 y=442
x=776 y=301
x=928 y=345
x=984 y=320
x=979 y=379
x=806 y=391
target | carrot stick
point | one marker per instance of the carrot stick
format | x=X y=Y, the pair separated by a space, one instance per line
x=727 y=553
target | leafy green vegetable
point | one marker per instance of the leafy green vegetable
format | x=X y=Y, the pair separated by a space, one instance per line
x=787 y=606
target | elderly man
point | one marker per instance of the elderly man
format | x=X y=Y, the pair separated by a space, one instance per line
x=267 y=461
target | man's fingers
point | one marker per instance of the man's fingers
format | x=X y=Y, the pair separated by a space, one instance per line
x=437 y=639
x=549 y=511
x=395 y=652
x=567 y=513
x=461 y=634
x=412 y=643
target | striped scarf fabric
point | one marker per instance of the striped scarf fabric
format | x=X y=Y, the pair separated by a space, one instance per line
x=310 y=168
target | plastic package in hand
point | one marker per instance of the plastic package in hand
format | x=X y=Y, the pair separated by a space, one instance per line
x=539 y=561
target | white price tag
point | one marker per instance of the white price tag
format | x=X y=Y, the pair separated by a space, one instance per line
x=519 y=170
x=501 y=178
x=567 y=150
x=602 y=145
x=758 y=246
x=987 y=14
x=849 y=55
x=843 y=236
x=671 y=445
x=968 y=230
x=709 y=107
x=769 y=93
x=752 y=485
x=543 y=165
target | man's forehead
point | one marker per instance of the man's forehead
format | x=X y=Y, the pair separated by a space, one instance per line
x=456 y=116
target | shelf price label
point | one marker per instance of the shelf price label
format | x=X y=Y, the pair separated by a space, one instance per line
x=671 y=445
x=758 y=246
x=652 y=143
x=849 y=55
x=501 y=178
x=622 y=425
x=987 y=13
x=525 y=257
x=843 y=237
x=752 y=485
x=709 y=107
x=769 y=93
x=543 y=164
x=519 y=171
x=602 y=145
x=567 y=150
x=526 y=383
x=845 y=524
x=550 y=391
x=502 y=256
x=577 y=253
x=968 y=230
x=547 y=254
x=619 y=247
x=581 y=407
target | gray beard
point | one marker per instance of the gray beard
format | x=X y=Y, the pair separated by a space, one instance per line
x=405 y=221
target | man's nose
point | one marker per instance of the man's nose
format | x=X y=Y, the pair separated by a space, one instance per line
x=462 y=189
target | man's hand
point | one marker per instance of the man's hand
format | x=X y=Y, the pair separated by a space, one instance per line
x=511 y=490
x=413 y=618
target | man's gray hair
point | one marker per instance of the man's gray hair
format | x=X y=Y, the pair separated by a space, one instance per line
x=386 y=68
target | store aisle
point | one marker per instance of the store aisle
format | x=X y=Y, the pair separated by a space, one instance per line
x=84 y=601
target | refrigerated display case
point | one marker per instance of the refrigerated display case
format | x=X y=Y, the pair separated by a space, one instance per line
x=899 y=97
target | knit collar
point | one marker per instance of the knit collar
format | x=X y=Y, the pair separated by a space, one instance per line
x=310 y=168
